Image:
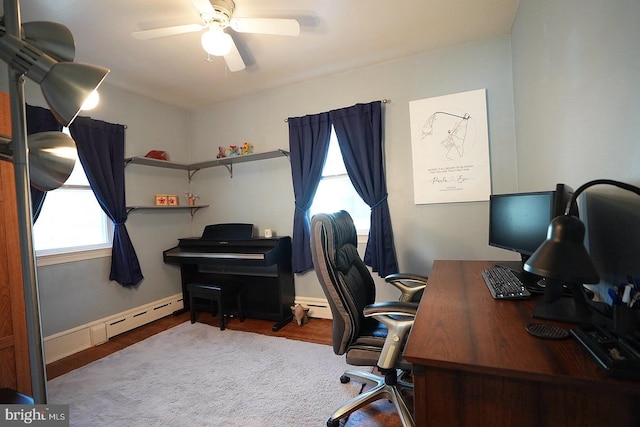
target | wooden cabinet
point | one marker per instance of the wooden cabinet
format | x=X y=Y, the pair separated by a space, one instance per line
x=14 y=351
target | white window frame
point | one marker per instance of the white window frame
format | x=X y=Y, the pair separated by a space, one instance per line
x=332 y=172
x=76 y=253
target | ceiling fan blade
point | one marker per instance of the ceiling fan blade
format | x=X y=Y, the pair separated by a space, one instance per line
x=282 y=27
x=234 y=60
x=203 y=6
x=167 y=31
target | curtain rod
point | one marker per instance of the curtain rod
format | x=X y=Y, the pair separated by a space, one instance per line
x=384 y=101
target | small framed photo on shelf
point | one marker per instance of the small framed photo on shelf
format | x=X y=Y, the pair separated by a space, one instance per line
x=172 y=200
x=161 y=200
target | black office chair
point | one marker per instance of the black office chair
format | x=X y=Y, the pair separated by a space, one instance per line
x=370 y=334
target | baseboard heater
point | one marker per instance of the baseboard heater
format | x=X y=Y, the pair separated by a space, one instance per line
x=318 y=307
x=71 y=341
x=80 y=338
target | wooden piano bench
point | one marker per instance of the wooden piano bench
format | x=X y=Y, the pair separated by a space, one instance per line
x=215 y=293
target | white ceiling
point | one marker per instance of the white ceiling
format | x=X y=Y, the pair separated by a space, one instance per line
x=336 y=35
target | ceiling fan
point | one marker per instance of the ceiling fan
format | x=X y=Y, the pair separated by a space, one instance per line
x=217 y=16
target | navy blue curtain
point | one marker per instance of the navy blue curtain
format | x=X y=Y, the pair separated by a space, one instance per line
x=39 y=120
x=308 y=146
x=101 y=152
x=359 y=132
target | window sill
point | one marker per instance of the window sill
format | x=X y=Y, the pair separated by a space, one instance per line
x=61 y=258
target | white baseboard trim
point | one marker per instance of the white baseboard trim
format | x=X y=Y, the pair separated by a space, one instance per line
x=66 y=343
x=318 y=307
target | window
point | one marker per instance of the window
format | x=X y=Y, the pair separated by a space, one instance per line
x=335 y=191
x=71 y=220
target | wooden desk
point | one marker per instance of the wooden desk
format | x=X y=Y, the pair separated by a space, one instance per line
x=475 y=364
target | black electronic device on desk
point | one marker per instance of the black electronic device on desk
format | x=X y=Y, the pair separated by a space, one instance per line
x=504 y=284
x=230 y=253
x=519 y=222
x=618 y=356
x=617 y=347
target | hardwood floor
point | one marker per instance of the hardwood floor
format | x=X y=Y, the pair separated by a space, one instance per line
x=380 y=413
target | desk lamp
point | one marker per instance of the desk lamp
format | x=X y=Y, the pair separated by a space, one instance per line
x=564 y=260
x=43 y=53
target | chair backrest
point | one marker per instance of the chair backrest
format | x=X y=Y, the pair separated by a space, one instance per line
x=344 y=277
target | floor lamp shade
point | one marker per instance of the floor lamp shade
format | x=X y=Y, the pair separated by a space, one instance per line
x=67 y=86
x=52 y=156
x=50 y=37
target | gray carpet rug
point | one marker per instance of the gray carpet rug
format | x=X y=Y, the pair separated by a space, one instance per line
x=197 y=375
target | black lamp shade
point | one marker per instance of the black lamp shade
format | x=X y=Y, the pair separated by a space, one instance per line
x=563 y=255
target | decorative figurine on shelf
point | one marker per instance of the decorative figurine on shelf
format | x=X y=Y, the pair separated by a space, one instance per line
x=172 y=200
x=247 y=148
x=157 y=155
x=234 y=150
x=191 y=198
x=222 y=152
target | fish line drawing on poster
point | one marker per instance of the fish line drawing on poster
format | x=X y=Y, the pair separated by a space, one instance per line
x=453 y=132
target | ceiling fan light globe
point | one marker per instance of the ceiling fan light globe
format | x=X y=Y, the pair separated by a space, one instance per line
x=216 y=42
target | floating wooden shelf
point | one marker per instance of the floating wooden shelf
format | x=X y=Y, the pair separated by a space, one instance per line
x=193 y=209
x=192 y=168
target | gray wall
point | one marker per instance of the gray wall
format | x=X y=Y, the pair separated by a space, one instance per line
x=564 y=86
x=576 y=73
x=262 y=193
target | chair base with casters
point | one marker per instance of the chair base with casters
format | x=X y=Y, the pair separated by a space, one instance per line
x=215 y=293
x=366 y=332
x=387 y=386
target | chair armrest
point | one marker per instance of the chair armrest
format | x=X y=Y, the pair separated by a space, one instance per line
x=398 y=317
x=410 y=285
x=391 y=308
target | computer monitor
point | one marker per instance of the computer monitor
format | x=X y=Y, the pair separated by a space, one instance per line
x=561 y=199
x=519 y=221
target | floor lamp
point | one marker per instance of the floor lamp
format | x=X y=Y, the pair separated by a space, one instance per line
x=44 y=57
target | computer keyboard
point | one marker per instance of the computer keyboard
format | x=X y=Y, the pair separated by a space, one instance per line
x=504 y=284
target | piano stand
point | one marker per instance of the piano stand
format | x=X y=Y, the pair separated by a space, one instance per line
x=282 y=323
x=214 y=293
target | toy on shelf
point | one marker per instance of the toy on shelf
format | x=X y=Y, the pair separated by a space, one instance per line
x=234 y=150
x=247 y=148
x=222 y=152
x=157 y=155
x=191 y=198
